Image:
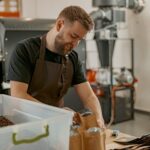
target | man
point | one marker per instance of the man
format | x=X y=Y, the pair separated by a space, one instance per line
x=43 y=68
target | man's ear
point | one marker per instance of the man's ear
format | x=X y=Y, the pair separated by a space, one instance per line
x=59 y=24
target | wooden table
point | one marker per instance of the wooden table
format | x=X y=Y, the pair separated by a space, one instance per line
x=110 y=144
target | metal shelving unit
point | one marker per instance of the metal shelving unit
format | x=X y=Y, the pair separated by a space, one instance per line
x=115 y=108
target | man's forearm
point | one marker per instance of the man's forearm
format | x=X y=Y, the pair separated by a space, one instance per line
x=25 y=96
x=94 y=105
x=19 y=89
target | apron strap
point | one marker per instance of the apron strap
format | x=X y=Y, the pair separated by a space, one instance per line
x=42 y=47
x=65 y=62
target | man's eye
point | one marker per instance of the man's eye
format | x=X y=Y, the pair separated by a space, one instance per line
x=74 y=37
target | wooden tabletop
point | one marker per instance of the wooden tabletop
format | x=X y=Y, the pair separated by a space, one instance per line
x=110 y=144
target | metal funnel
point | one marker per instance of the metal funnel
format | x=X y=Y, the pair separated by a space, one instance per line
x=105 y=51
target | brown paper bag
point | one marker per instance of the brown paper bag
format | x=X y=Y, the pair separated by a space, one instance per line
x=89 y=121
x=94 y=141
x=85 y=140
x=75 y=142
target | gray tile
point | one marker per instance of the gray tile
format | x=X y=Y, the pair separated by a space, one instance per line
x=137 y=127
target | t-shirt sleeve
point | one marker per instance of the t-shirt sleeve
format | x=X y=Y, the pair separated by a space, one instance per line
x=79 y=73
x=20 y=68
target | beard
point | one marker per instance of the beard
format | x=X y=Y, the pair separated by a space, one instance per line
x=61 y=47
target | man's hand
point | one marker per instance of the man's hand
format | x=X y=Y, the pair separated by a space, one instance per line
x=90 y=101
x=101 y=123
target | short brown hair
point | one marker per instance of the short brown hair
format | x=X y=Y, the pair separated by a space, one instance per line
x=76 y=13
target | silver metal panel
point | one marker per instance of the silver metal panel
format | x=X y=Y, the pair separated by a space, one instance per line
x=109 y=3
x=118 y=16
x=27 y=24
x=15 y=30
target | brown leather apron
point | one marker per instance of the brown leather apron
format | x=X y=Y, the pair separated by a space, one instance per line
x=50 y=80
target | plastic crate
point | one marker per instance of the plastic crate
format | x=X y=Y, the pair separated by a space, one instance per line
x=37 y=126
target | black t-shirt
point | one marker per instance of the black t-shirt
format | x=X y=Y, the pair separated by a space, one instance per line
x=25 y=54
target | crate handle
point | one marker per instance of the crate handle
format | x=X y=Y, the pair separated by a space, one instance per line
x=31 y=140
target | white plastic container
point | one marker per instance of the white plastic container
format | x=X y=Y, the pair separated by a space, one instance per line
x=37 y=126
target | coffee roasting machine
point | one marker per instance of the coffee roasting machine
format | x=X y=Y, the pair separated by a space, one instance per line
x=115 y=91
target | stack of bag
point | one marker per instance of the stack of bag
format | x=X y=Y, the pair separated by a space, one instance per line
x=85 y=133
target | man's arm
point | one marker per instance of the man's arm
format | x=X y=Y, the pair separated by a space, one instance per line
x=19 y=89
x=90 y=101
